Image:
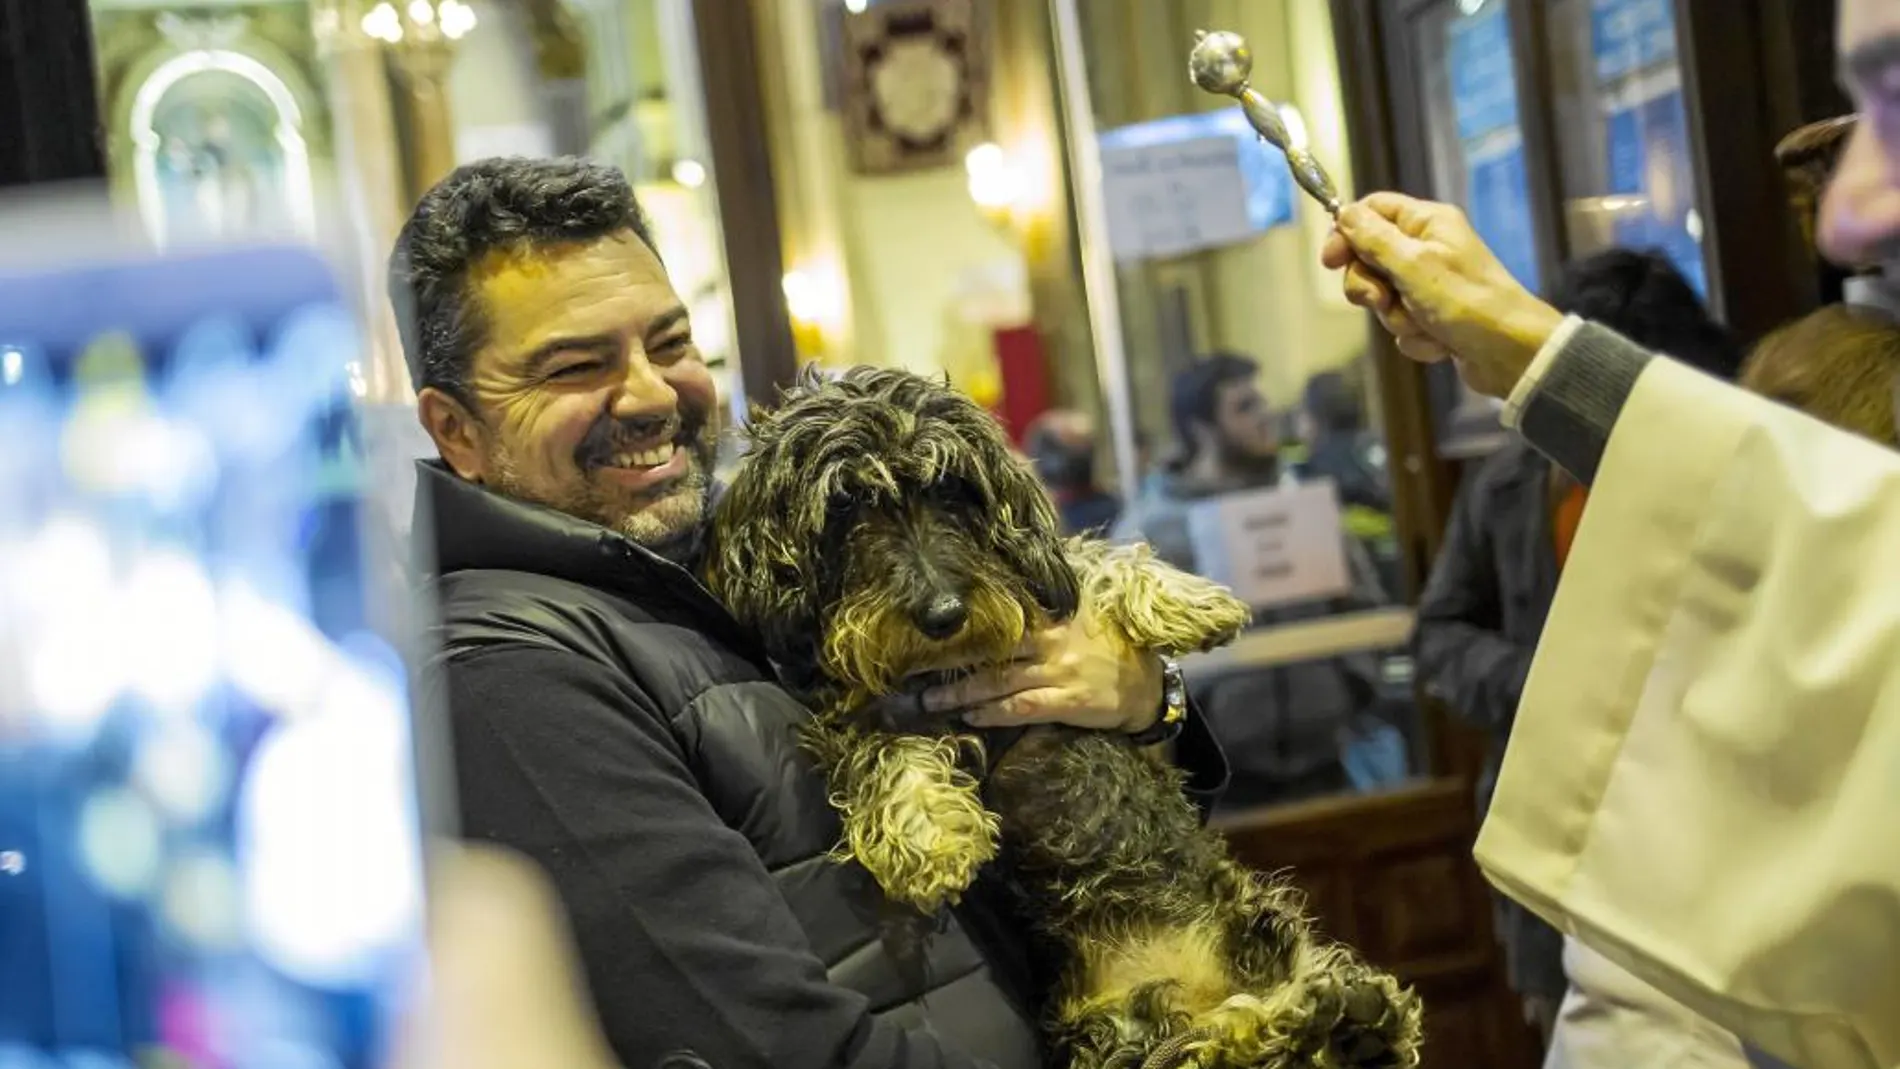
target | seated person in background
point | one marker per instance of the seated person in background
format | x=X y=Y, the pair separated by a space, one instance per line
x=1839 y=365
x=1332 y=422
x=1492 y=584
x=1060 y=443
x=1290 y=730
x=1227 y=442
x=1338 y=447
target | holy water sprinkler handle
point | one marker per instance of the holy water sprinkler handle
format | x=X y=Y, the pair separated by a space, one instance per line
x=1221 y=63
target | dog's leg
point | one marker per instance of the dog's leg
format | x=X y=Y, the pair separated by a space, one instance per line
x=1335 y=1013
x=1178 y=955
x=912 y=816
x=1155 y=605
x=1300 y=1001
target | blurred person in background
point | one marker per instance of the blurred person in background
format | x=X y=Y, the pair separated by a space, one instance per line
x=1840 y=365
x=1060 y=444
x=1508 y=537
x=1226 y=441
x=610 y=720
x=1332 y=422
x=1290 y=731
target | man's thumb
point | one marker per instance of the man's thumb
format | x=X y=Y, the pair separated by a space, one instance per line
x=1376 y=239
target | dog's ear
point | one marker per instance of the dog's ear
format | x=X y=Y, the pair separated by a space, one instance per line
x=753 y=563
x=1029 y=534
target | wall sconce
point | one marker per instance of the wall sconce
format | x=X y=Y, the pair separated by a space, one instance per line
x=996 y=187
x=814 y=300
x=689 y=173
x=421 y=21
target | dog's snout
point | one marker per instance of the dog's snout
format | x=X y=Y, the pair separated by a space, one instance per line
x=942 y=616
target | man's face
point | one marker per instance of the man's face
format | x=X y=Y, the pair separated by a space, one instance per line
x=1860 y=218
x=1244 y=423
x=592 y=397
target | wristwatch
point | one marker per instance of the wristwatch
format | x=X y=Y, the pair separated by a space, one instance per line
x=1167 y=727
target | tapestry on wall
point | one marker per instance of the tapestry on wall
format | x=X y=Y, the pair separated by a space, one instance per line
x=916 y=80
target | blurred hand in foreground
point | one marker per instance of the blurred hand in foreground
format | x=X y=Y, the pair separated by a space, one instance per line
x=503 y=991
x=1421 y=268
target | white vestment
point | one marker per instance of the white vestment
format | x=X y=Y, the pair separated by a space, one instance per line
x=1703 y=782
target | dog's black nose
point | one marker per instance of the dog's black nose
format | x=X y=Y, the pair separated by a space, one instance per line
x=943 y=616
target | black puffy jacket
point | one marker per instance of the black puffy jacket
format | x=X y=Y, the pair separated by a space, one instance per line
x=614 y=724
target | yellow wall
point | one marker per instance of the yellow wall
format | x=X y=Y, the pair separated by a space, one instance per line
x=916 y=239
x=894 y=252
x=1268 y=297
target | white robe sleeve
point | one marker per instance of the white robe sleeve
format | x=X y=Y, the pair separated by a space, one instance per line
x=1703 y=782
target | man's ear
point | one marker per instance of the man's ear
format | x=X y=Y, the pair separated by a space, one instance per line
x=1203 y=436
x=459 y=434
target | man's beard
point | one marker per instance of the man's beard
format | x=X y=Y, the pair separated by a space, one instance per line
x=666 y=520
x=1248 y=466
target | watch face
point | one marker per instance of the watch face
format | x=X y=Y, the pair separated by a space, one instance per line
x=918 y=89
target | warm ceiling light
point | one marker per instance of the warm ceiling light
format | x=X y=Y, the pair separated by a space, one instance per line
x=383 y=23
x=993 y=182
x=456 y=17
x=689 y=173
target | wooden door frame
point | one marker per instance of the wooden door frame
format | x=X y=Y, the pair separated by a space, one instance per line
x=1386 y=134
x=1760 y=275
x=748 y=202
x=1753 y=71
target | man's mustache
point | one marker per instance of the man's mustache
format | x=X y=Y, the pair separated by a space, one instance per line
x=608 y=436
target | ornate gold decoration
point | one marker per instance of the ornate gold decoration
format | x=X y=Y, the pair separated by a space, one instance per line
x=916 y=84
x=193 y=32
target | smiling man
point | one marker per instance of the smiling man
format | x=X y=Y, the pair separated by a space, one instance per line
x=612 y=722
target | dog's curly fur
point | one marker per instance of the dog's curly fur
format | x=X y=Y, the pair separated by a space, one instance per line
x=879 y=529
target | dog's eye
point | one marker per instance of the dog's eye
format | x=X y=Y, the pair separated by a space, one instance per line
x=839 y=505
x=951 y=490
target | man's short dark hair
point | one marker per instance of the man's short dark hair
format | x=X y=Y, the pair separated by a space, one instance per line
x=1641 y=295
x=1332 y=403
x=494 y=205
x=1195 y=392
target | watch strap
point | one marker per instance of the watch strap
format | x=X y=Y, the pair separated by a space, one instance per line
x=1167 y=726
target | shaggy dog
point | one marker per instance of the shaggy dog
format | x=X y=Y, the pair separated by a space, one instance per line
x=879 y=532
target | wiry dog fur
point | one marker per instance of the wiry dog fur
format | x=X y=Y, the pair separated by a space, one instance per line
x=880 y=528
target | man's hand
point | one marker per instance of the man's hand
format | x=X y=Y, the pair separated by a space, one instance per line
x=1422 y=269
x=1078 y=673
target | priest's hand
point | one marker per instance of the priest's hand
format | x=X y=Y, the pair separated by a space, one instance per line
x=1421 y=268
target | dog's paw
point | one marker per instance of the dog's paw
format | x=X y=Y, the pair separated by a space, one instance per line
x=1154 y=604
x=915 y=821
x=1358 y=1018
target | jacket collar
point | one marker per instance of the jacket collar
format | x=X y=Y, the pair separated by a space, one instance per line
x=475 y=528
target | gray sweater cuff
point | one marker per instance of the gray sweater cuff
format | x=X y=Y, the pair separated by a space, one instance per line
x=1570 y=417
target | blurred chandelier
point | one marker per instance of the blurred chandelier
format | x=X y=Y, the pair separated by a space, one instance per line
x=419 y=21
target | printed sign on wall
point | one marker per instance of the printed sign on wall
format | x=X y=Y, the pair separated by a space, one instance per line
x=1173 y=198
x=1275 y=546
